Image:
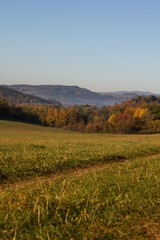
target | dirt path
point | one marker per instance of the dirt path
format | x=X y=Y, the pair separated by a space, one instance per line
x=52 y=177
x=68 y=173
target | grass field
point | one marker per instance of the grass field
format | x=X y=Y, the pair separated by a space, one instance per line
x=65 y=185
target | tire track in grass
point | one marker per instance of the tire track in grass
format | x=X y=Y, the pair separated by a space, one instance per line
x=69 y=173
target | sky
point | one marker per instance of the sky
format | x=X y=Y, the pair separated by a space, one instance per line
x=102 y=45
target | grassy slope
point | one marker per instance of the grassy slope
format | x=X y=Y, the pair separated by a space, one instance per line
x=120 y=201
x=28 y=150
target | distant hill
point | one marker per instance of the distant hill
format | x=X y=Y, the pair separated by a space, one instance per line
x=16 y=97
x=67 y=95
x=144 y=93
x=74 y=95
x=126 y=95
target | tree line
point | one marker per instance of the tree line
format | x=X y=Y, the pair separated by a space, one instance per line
x=139 y=115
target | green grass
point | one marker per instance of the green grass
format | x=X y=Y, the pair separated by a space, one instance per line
x=27 y=150
x=119 y=201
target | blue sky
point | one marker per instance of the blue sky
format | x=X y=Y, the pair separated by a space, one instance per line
x=102 y=45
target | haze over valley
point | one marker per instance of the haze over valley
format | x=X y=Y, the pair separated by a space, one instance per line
x=66 y=95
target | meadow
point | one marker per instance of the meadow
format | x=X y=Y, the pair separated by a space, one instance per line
x=57 y=184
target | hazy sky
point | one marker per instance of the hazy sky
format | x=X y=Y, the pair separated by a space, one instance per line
x=103 y=45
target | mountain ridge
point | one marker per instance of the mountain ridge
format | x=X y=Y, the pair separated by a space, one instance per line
x=16 y=97
x=75 y=95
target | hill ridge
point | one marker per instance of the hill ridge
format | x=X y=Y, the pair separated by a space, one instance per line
x=69 y=95
x=16 y=97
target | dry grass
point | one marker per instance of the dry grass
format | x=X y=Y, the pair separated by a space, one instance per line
x=105 y=186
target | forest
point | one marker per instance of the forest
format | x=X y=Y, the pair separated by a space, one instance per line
x=140 y=115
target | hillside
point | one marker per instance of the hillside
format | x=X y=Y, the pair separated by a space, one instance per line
x=16 y=97
x=127 y=95
x=74 y=95
x=67 y=95
x=139 y=115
